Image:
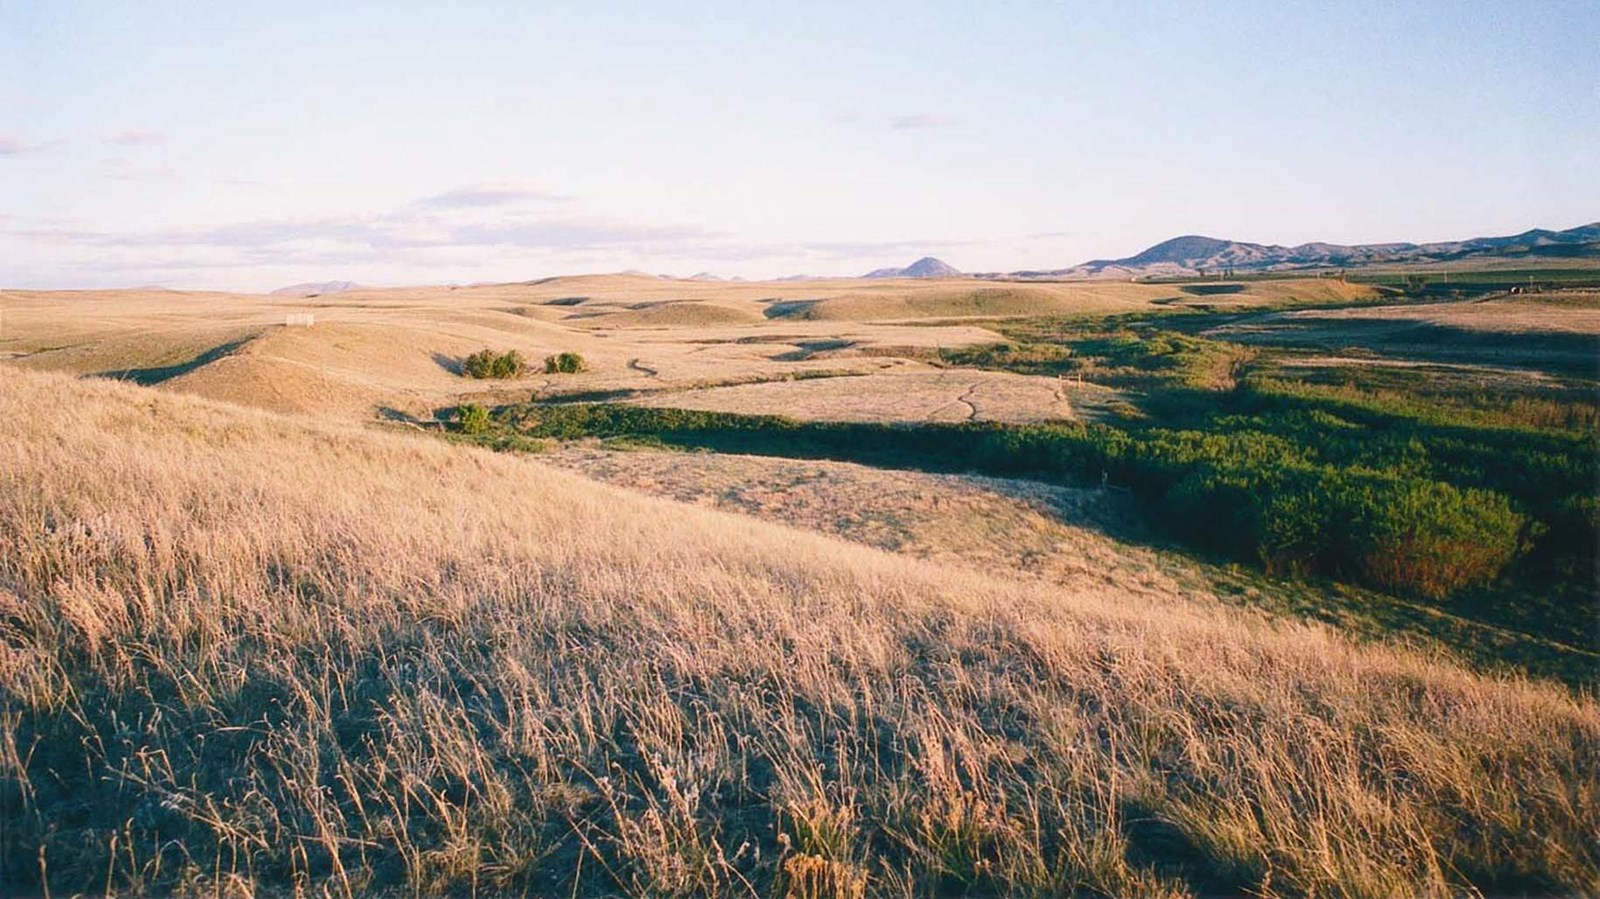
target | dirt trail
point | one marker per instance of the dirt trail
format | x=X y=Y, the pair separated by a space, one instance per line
x=966 y=400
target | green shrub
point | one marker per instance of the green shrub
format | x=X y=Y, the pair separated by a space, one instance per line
x=489 y=364
x=1431 y=539
x=509 y=364
x=472 y=418
x=564 y=364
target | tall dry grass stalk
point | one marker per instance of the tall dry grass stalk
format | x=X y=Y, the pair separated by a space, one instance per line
x=242 y=653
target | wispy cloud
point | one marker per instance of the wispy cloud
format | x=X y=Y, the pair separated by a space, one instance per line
x=480 y=230
x=486 y=196
x=906 y=122
x=135 y=137
x=919 y=120
x=12 y=145
x=120 y=169
x=399 y=231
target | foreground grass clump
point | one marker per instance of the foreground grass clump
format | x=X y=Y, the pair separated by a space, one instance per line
x=238 y=653
x=487 y=363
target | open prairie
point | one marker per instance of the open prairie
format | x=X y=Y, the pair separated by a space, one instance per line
x=878 y=450
x=812 y=589
x=244 y=652
x=402 y=348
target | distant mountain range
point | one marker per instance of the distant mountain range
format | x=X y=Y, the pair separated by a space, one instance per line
x=315 y=289
x=1193 y=254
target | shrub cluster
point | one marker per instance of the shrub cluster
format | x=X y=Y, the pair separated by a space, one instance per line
x=564 y=364
x=1250 y=494
x=489 y=364
x=1402 y=534
x=472 y=418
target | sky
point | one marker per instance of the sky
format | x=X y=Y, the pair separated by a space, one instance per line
x=248 y=146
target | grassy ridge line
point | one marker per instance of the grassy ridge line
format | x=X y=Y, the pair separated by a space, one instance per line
x=242 y=653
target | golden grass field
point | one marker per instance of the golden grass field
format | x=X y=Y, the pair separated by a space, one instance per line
x=395 y=347
x=289 y=650
x=245 y=650
x=1007 y=527
x=908 y=396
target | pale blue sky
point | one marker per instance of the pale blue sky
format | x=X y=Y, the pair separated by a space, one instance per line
x=252 y=145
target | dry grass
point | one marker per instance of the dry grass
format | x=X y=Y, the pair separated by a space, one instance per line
x=687 y=313
x=907 y=396
x=239 y=652
x=1084 y=539
x=395 y=347
x=998 y=526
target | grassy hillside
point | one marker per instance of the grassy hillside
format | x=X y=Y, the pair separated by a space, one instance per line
x=401 y=348
x=242 y=652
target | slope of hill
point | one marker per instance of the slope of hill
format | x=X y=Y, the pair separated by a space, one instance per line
x=401 y=347
x=926 y=267
x=1193 y=253
x=241 y=652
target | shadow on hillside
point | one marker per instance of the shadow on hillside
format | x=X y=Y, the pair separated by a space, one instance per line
x=396 y=416
x=156 y=374
x=1554 y=353
x=805 y=349
x=789 y=308
x=590 y=396
x=1208 y=290
x=451 y=364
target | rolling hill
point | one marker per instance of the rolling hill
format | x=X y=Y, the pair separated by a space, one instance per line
x=926 y=267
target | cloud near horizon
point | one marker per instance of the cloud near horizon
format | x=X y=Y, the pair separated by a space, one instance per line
x=12 y=145
x=389 y=232
x=476 y=227
x=918 y=121
x=484 y=196
x=476 y=231
x=134 y=137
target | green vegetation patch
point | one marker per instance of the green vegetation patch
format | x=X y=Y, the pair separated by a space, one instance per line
x=1435 y=484
x=487 y=363
x=564 y=364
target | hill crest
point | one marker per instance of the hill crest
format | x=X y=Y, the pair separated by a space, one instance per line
x=1194 y=254
x=926 y=267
